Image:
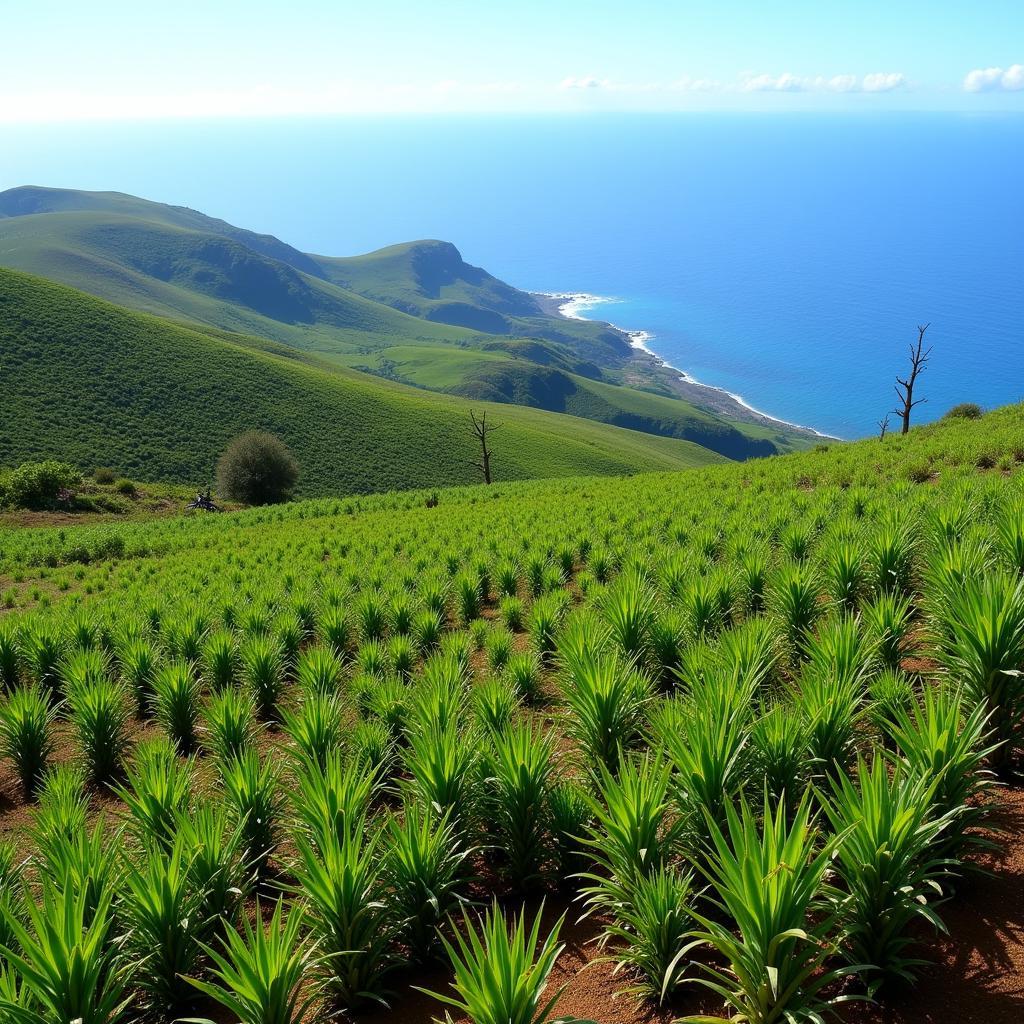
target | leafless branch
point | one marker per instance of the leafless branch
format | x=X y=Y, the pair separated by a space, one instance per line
x=483 y=430
x=904 y=386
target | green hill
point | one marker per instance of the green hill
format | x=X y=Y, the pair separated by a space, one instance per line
x=89 y=382
x=210 y=279
x=430 y=279
x=416 y=313
x=27 y=200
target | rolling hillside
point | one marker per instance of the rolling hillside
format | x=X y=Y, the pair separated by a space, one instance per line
x=416 y=313
x=204 y=278
x=89 y=382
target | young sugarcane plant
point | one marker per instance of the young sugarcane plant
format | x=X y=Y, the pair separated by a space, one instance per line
x=888 y=620
x=628 y=608
x=259 y=972
x=649 y=924
x=890 y=693
x=705 y=738
x=329 y=799
x=99 y=712
x=316 y=727
x=263 y=664
x=632 y=829
x=220 y=660
x=794 y=599
x=230 y=726
x=442 y=768
x=887 y=866
x=66 y=961
x=176 y=693
x=12 y=892
x=162 y=910
x=158 y=789
x=778 y=753
x=87 y=859
x=521 y=770
x=983 y=649
x=502 y=972
x=426 y=873
x=775 y=929
x=946 y=745
x=342 y=881
x=10 y=655
x=26 y=734
x=217 y=868
x=495 y=702
x=606 y=698
x=319 y=670
x=569 y=813
x=830 y=704
x=251 y=788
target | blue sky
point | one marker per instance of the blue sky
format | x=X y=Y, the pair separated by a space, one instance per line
x=74 y=60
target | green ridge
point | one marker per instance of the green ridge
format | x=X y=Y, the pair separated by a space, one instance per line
x=365 y=311
x=89 y=382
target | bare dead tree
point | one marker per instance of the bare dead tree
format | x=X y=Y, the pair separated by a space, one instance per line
x=905 y=387
x=482 y=429
x=883 y=427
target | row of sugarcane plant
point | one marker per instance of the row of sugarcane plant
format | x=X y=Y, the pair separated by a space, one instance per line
x=750 y=771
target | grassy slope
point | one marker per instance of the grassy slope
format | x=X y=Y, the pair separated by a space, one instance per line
x=207 y=279
x=178 y=263
x=491 y=375
x=429 y=279
x=942 y=454
x=95 y=384
x=20 y=202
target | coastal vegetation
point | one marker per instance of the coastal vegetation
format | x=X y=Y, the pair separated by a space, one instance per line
x=743 y=720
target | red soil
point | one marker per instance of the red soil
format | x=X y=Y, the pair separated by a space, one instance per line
x=976 y=975
x=977 y=971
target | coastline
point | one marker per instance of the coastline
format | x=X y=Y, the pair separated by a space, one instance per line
x=572 y=306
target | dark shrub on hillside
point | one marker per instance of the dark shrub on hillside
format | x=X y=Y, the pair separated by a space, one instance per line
x=965 y=411
x=258 y=469
x=104 y=475
x=39 y=485
x=919 y=472
x=126 y=487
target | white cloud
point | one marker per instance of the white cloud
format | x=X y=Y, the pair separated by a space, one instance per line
x=881 y=81
x=688 y=84
x=842 y=83
x=1009 y=79
x=586 y=82
x=785 y=82
x=788 y=82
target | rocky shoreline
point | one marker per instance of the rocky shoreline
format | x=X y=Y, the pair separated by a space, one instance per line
x=644 y=368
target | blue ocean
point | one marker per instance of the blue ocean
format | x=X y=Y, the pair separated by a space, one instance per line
x=785 y=258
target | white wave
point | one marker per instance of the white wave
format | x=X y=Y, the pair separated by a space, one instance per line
x=578 y=303
x=575 y=304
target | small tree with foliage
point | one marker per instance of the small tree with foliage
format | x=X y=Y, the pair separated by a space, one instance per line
x=965 y=411
x=257 y=468
x=39 y=485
